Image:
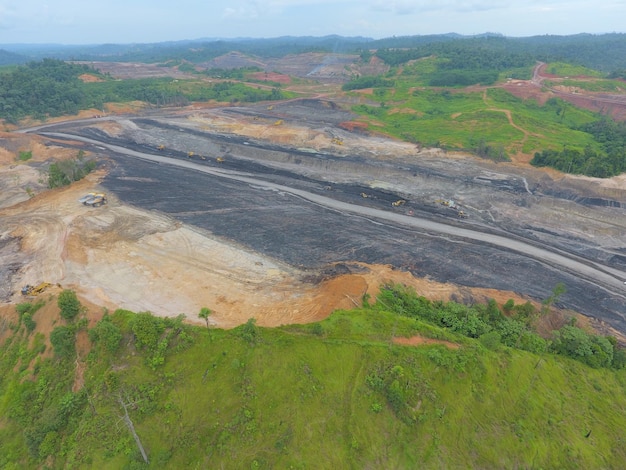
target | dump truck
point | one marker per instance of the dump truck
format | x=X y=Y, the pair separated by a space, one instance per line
x=86 y=197
x=35 y=290
x=96 y=200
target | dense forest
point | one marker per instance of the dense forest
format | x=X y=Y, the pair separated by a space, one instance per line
x=610 y=161
x=52 y=87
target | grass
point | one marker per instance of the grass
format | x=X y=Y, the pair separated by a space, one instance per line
x=456 y=119
x=336 y=394
x=563 y=69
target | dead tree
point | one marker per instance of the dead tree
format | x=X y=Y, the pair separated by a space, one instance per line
x=131 y=427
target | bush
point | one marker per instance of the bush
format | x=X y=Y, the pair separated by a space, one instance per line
x=107 y=334
x=69 y=304
x=490 y=340
x=147 y=330
x=595 y=351
x=63 y=342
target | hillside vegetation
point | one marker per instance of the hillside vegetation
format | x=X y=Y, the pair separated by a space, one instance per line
x=341 y=393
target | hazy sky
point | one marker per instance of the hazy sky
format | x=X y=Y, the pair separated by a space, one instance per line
x=137 y=21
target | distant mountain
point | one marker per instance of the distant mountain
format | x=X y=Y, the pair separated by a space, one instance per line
x=605 y=52
x=11 y=58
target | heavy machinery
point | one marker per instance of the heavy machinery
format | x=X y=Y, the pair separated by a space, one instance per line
x=190 y=154
x=35 y=290
x=398 y=203
x=219 y=159
x=161 y=147
x=86 y=197
x=336 y=141
x=96 y=200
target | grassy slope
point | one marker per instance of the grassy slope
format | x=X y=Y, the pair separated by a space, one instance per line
x=343 y=396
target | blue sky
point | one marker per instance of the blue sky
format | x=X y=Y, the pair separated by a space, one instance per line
x=140 y=21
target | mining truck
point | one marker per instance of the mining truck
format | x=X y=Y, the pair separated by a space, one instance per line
x=95 y=200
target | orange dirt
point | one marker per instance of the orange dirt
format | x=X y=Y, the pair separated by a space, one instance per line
x=420 y=340
x=271 y=77
x=89 y=78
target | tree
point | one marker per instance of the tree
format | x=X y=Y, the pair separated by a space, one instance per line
x=558 y=290
x=204 y=314
x=69 y=304
x=106 y=333
x=63 y=342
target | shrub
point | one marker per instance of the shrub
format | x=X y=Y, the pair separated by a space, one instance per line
x=147 y=330
x=490 y=340
x=107 y=334
x=69 y=304
x=63 y=342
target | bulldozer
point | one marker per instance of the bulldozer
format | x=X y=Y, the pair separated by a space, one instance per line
x=35 y=290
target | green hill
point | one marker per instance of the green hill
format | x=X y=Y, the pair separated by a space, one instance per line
x=341 y=393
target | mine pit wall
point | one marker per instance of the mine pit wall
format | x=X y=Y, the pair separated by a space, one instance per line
x=297 y=233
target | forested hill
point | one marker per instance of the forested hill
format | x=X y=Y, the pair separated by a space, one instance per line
x=11 y=58
x=605 y=52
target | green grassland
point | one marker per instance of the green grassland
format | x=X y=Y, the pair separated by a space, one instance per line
x=564 y=69
x=334 y=394
x=487 y=120
x=459 y=119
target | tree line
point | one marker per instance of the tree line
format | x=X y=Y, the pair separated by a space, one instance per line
x=610 y=161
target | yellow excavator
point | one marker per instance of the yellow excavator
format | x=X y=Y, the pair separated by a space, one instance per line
x=35 y=290
x=398 y=203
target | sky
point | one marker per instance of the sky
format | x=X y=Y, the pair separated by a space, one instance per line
x=148 y=21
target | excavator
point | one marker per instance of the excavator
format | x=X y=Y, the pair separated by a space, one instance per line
x=398 y=203
x=35 y=290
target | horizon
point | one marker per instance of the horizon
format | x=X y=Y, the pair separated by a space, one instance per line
x=140 y=22
x=269 y=38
